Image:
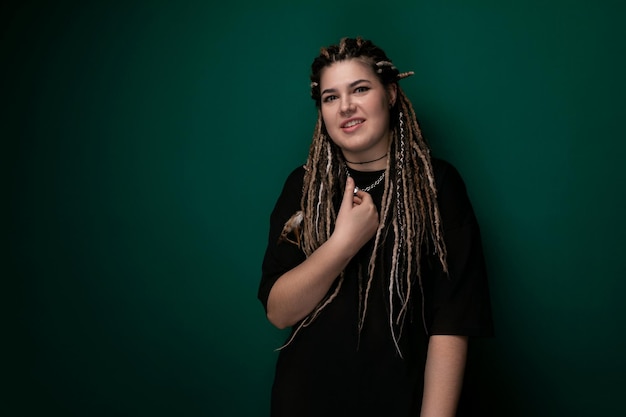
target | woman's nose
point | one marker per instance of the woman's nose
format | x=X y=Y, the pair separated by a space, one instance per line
x=346 y=107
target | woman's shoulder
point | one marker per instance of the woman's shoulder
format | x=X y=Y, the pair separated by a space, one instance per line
x=292 y=189
x=294 y=181
x=452 y=196
x=296 y=175
x=444 y=172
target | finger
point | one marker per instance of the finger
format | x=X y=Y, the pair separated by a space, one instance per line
x=348 y=193
x=363 y=195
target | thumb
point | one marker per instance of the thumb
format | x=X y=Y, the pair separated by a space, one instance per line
x=348 y=194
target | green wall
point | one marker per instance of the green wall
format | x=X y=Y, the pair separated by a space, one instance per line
x=144 y=144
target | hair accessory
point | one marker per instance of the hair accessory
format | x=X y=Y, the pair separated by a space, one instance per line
x=401 y=123
x=314 y=84
x=381 y=64
x=386 y=64
x=400 y=76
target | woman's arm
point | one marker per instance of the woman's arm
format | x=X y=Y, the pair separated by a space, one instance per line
x=443 y=377
x=297 y=292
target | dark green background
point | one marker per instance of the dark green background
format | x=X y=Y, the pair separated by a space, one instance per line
x=144 y=144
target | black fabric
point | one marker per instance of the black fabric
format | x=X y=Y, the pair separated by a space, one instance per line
x=328 y=369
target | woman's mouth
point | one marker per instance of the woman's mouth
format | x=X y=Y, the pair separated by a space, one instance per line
x=350 y=124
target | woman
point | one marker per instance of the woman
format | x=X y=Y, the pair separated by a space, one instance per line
x=374 y=256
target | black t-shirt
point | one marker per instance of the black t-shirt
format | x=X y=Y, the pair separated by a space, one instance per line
x=330 y=368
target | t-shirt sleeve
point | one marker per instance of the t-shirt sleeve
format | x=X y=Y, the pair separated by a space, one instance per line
x=282 y=256
x=461 y=303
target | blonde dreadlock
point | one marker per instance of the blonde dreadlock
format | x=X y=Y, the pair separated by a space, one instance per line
x=409 y=203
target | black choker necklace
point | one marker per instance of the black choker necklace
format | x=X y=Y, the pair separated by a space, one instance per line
x=366 y=162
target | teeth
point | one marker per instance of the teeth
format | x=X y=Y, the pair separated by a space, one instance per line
x=353 y=123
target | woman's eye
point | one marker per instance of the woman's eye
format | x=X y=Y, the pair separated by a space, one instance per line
x=361 y=89
x=329 y=98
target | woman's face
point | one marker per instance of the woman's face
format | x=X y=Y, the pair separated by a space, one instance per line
x=355 y=109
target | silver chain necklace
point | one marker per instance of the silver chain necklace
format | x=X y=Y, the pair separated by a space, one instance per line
x=369 y=187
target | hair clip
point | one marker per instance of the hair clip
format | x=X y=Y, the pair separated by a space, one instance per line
x=385 y=64
x=405 y=74
x=389 y=64
x=314 y=84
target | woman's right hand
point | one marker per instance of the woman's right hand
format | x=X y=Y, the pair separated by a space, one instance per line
x=357 y=220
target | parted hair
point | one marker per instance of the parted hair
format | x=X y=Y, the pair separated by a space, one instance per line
x=409 y=210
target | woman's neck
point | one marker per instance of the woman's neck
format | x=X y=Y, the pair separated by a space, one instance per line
x=376 y=164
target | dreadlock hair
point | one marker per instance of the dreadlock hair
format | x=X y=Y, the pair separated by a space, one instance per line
x=409 y=204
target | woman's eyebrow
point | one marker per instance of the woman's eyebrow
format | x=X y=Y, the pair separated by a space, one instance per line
x=351 y=85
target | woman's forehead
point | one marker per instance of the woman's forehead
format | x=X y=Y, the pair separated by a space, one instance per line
x=346 y=72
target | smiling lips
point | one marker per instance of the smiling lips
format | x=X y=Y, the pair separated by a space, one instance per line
x=347 y=125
